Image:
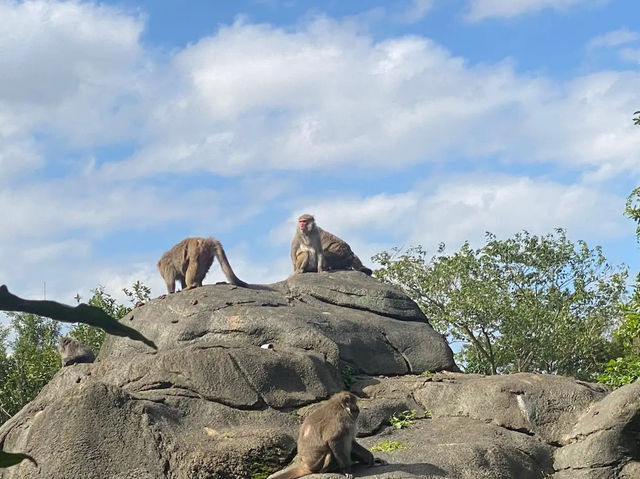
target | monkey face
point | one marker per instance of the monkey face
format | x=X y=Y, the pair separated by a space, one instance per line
x=306 y=223
x=349 y=402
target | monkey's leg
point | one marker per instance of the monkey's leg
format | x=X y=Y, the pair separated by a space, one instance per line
x=321 y=263
x=190 y=275
x=291 y=472
x=170 y=281
x=363 y=455
x=302 y=261
x=342 y=455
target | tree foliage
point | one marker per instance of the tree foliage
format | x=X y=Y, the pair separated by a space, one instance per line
x=32 y=363
x=30 y=359
x=527 y=303
x=94 y=337
x=625 y=368
x=632 y=209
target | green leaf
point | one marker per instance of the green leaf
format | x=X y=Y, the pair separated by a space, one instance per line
x=83 y=313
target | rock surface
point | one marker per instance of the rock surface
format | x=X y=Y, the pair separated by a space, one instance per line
x=211 y=403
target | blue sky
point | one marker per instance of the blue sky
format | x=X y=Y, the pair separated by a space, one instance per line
x=126 y=126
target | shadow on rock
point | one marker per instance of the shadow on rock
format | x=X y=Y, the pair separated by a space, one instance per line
x=418 y=469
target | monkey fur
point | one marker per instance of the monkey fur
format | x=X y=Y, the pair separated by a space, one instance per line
x=72 y=351
x=335 y=254
x=306 y=246
x=190 y=260
x=326 y=441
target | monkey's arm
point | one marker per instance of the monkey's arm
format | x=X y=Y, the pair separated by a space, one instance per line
x=342 y=456
x=363 y=455
x=295 y=245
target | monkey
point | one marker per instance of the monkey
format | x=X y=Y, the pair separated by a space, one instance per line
x=190 y=260
x=72 y=351
x=306 y=246
x=336 y=253
x=326 y=441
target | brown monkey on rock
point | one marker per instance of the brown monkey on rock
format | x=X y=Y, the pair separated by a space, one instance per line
x=327 y=440
x=313 y=249
x=190 y=260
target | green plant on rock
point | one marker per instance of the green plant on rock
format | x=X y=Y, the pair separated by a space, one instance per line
x=403 y=420
x=262 y=471
x=387 y=446
x=347 y=376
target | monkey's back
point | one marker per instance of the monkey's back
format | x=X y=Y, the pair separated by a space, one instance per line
x=189 y=250
x=320 y=430
x=337 y=252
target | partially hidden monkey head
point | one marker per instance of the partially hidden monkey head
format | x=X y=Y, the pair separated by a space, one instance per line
x=349 y=402
x=306 y=223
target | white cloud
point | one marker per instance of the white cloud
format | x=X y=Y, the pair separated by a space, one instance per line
x=464 y=209
x=259 y=98
x=630 y=54
x=45 y=210
x=254 y=97
x=68 y=66
x=614 y=38
x=482 y=9
x=416 y=11
x=453 y=210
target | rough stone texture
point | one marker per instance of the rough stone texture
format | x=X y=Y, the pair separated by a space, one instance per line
x=545 y=405
x=605 y=442
x=211 y=403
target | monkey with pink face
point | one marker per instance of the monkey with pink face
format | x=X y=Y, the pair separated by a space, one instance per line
x=314 y=249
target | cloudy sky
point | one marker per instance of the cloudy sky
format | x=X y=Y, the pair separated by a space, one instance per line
x=128 y=125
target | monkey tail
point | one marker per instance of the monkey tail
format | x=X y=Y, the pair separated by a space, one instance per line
x=224 y=264
x=358 y=266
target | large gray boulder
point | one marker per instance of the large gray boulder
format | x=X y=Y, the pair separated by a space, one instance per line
x=212 y=402
x=605 y=442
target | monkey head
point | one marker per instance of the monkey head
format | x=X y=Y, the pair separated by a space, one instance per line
x=349 y=402
x=306 y=223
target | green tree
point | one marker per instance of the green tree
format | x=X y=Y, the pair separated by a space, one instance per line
x=632 y=209
x=94 y=337
x=32 y=363
x=625 y=368
x=527 y=303
x=29 y=361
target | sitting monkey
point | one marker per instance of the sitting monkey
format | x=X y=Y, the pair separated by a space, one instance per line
x=313 y=249
x=327 y=440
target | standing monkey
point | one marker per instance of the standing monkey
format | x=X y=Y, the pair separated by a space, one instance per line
x=326 y=441
x=335 y=252
x=190 y=260
x=306 y=246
